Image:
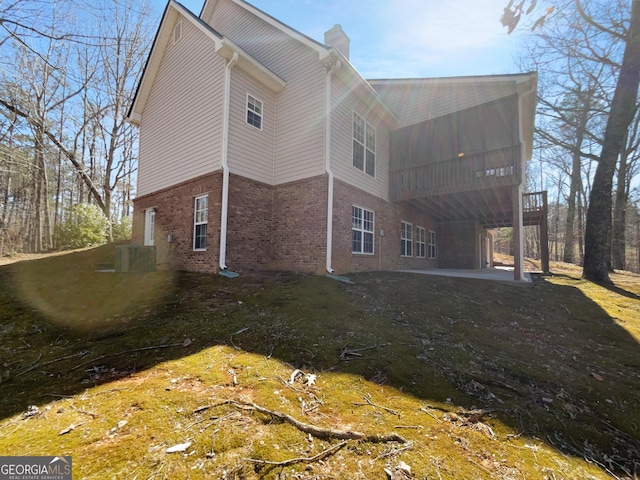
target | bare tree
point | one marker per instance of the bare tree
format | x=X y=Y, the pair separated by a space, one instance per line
x=619 y=27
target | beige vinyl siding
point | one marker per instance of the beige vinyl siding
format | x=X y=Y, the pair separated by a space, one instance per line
x=344 y=105
x=180 y=136
x=422 y=100
x=299 y=120
x=250 y=149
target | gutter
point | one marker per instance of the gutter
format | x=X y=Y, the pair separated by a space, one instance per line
x=225 y=163
x=331 y=68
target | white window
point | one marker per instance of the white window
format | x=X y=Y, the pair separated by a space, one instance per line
x=406 y=240
x=254 y=112
x=432 y=244
x=200 y=218
x=361 y=230
x=364 y=146
x=421 y=242
x=149 y=225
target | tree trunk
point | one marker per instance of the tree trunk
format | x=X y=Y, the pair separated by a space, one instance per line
x=576 y=181
x=598 y=227
x=618 y=243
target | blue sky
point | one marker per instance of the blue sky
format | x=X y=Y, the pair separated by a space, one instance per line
x=406 y=38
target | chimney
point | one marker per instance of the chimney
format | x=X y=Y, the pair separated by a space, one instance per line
x=335 y=37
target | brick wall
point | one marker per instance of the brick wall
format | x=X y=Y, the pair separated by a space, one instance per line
x=388 y=216
x=174 y=216
x=299 y=225
x=280 y=227
x=249 y=225
x=458 y=245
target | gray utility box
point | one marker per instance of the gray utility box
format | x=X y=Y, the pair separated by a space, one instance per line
x=135 y=258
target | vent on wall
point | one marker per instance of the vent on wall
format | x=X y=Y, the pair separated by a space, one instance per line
x=177 y=32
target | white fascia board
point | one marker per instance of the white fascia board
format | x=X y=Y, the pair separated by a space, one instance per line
x=153 y=63
x=515 y=78
x=322 y=51
x=339 y=57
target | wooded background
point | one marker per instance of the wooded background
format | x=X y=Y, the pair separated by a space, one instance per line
x=68 y=73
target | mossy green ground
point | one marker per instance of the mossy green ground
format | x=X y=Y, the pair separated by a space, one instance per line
x=481 y=379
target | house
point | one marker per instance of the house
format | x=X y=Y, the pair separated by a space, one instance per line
x=262 y=149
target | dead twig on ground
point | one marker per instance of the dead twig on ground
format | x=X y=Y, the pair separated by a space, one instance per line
x=33 y=366
x=292 y=461
x=238 y=332
x=319 y=432
x=367 y=398
x=424 y=409
x=393 y=451
x=124 y=352
x=355 y=352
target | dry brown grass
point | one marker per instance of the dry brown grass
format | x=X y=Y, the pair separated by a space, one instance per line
x=482 y=379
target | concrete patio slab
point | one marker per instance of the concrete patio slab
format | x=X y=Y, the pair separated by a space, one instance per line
x=501 y=274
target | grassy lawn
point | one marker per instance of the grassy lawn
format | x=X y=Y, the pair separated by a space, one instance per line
x=454 y=378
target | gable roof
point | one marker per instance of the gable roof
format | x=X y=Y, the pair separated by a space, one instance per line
x=222 y=46
x=323 y=51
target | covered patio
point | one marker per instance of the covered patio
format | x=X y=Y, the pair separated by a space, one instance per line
x=500 y=274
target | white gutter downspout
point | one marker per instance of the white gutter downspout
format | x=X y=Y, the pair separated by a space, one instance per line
x=519 y=269
x=331 y=68
x=225 y=163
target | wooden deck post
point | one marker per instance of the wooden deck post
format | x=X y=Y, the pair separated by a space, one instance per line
x=544 y=235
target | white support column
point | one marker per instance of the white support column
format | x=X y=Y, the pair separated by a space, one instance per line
x=518 y=244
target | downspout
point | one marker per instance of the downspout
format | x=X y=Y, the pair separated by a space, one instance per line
x=331 y=68
x=225 y=163
x=519 y=269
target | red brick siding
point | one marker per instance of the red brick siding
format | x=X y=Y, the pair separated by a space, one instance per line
x=458 y=245
x=277 y=227
x=388 y=216
x=174 y=216
x=299 y=225
x=249 y=225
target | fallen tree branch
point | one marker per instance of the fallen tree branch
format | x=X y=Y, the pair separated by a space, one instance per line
x=33 y=366
x=367 y=398
x=133 y=350
x=319 y=432
x=355 y=352
x=291 y=461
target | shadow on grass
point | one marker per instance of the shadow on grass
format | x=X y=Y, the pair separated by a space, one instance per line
x=549 y=360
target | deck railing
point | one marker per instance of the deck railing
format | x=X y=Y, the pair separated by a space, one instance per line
x=534 y=202
x=465 y=173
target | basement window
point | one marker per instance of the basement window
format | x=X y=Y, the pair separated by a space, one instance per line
x=361 y=230
x=406 y=240
x=421 y=242
x=432 y=244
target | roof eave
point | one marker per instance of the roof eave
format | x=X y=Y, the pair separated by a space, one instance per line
x=222 y=46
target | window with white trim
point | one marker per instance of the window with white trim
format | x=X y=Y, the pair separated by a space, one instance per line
x=361 y=230
x=432 y=244
x=200 y=219
x=149 y=226
x=254 y=111
x=406 y=240
x=421 y=242
x=364 y=145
